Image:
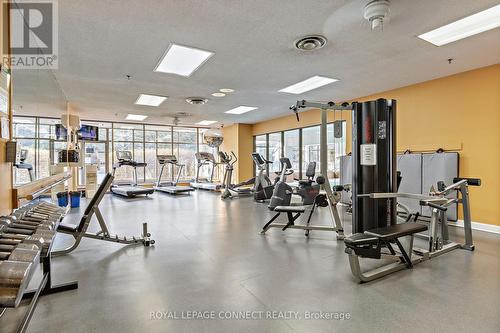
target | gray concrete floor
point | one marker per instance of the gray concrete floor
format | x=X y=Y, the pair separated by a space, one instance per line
x=209 y=256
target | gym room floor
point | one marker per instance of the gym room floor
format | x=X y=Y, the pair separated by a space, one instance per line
x=209 y=256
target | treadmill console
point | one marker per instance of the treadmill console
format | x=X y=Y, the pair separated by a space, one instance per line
x=204 y=156
x=124 y=155
x=162 y=159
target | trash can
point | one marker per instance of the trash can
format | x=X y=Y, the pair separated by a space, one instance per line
x=75 y=198
x=62 y=199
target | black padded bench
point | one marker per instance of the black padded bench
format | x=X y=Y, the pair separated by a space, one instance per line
x=290 y=211
x=370 y=243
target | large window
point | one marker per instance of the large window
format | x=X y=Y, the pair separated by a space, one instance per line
x=336 y=147
x=274 y=151
x=261 y=148
x=310 y=146
x=304 y=145
x=145 y=142
x=291 y=149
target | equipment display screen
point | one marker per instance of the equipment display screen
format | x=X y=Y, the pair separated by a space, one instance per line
x=61 y=132
x=88 y=133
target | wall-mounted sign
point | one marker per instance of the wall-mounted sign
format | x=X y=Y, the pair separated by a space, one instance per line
x=4 y=128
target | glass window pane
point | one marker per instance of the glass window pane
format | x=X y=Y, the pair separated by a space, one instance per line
x=23 y=127
x=150 y=151
x=43 y=163
x=275 y=151
x=122 y=134
x=138 y=135
x=185 y=155
x=205 y=171
x=139 y=157
x=165 y=136
x=291 y=148
x=184 y=135
x=150 y=136
x=336 y=149
x=95 y=154
x=165 y=149
x=21 y=176
x=124 y=173
x=310 y=146
x=260 y=147
x=44 y=131
x=103 y=134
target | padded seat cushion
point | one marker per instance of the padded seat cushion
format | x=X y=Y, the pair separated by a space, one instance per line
x=397 y=230
x=67 y=228
x=290 y=209
x=360 y=239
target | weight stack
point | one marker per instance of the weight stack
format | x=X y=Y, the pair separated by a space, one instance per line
x=374 y=163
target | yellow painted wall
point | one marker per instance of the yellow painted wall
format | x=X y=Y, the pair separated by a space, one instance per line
x=459 y=112
x=5 y=168
x=239 y=139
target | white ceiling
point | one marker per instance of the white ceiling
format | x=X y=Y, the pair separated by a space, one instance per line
x=102 y=41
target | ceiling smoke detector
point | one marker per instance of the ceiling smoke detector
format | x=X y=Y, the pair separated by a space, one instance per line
x=377 y=12
x=196 y=100
x=309 y=43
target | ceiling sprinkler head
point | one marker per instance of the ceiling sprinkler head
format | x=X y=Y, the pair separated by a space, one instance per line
x=377 y=12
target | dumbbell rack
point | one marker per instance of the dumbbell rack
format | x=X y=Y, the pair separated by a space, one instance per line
x=45 y=286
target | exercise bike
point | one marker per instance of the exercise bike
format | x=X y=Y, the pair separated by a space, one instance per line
x=233 y=190
x=263 y=187
x=307 y=188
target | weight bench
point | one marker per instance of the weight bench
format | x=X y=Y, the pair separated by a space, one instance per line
x=370 y=244
x=293 y=213
x=80 y=230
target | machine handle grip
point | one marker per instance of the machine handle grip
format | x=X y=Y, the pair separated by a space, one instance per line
x=470 y=181
x=433 y=205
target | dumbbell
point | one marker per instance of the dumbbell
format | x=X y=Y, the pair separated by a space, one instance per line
x=20 y=252
x=13 y=239
x=14 y=279
x=12 y=222
x=35 y=217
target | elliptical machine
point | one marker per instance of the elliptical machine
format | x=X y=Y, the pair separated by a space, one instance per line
x=233 y=190
x=263 y=187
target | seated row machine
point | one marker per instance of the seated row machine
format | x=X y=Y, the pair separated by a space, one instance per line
x=377 y=233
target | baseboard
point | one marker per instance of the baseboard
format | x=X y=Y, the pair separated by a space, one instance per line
x=495 y=229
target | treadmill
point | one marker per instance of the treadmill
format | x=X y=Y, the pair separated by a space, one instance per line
x=23 y=165
x=129 y=190
x=171 y=187
x=202 y=159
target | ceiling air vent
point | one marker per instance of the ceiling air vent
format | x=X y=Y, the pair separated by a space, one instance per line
x=309 y=43
x=196 y=100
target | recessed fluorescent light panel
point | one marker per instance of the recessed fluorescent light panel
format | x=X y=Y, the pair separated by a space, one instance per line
x=182 y=60
x=468 y=26
x=136 y=117
x=307 y=85
x=241 y=109
x=206 y=122
x=150 y=100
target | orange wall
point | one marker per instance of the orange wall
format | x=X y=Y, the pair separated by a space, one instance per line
x=238 y=138
x=5 y=168
x=459 y=112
